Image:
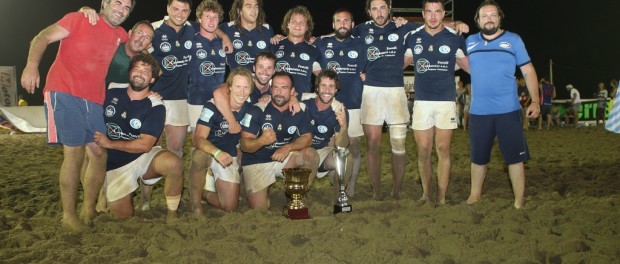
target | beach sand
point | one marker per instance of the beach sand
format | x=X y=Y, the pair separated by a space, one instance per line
x=571 y=214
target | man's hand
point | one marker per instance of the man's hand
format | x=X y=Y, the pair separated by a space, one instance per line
x=268 y=137
x=101 y=139
x=293 y=105
x=400 y=21
x=276 y=39
x=30 y=78
x=91 y=14
x=341 y=117
x=156 y=95
x=533 y=110
x=224 y=159
x=227 y=44
x=265 y=99
x=461 y=27
x=234 y=127
x=281 y=154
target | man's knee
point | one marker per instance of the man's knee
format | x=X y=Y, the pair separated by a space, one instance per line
x=398 y=136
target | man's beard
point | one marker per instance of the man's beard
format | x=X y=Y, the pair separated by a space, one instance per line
x=489 y=31
x=279 y=103
x=138 y=86
x=345 y=35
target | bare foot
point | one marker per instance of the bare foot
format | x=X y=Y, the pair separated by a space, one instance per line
x=518 y=205
x=471 y=200
x=441 y=201
x=146 y=205
x=171 y=218
x=377 y=197
x=74 y=225
x=88 y=215
x=396 y=195
x=424 y=200
x=198 y=210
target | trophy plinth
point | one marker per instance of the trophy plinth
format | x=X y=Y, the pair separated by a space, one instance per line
x=296 y=185
x=340 y=160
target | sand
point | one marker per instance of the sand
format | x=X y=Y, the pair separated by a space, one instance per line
x=571 y=215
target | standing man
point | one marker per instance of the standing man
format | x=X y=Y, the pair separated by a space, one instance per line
x=294 y=55
x=495 y=111
x=134 y=123
x=575 y=104
x=248 y=32
x=140 y=38
x=208 y=65
x=216 y=148
x=344 y=54
x=435 y=50
x=329 y=122
x=172 y=47
x=76 y=81
x=384 y=98
x=273 y=139
x=547 y=93
x=601 y=103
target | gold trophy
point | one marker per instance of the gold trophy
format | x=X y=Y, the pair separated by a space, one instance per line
x=340 y=160
x=296 y=185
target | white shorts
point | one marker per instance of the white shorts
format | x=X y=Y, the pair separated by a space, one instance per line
x=194 y=113
x=323 y=153
x=428 y=114
x=381 y=104
x=355 y=123
x=259 y=176
x=177 y=113
x=229 y=174
x=122 y=181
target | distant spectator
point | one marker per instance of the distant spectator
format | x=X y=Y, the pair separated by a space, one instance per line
x=601 y=103
x=575 y=104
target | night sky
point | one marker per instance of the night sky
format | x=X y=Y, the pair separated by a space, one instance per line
x=582 y=39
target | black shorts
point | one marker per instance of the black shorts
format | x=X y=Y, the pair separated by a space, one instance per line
x=545 y=110
x=507 y=127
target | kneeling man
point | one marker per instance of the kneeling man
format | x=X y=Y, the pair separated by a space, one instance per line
x=272 y=139
x=134 y=122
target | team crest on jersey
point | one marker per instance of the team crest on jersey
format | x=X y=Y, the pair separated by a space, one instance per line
x=246 y=120
x=110 y=111
x=372 y=53
x=279 y=54
x=188 y=44
x=291 y=130
x=322 y=129
x=283 y=66
x=334 y=66
x=505 y=45
x=224 y=125
x=267 y=126
x=304 y=56
x=422 y=65
x=165 y=46
x=393 y=37
x=201 y=54
x=206 y=115
x=124 y=115
x=261 y=45
x=169 y=62
x=135 y=123
x=114 y=131
x=238 y=44
x=222 y=54
x=353 y=54
x=417 y=49
x=329 y=54
x=242 y=58
x=207 y=68
x=444 y=49
x=369 y=39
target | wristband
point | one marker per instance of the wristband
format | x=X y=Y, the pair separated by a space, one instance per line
x=217 y=153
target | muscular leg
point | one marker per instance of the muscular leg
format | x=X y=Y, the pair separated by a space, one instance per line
x=443 y=140
x=398 y=135
x=517 y=178
x=227 y=196
x=373 y=158
x=122 y=208
x=424 y=141
x=170 y=167
x=93 y=179
x=197 y=171
x=306 y=158
x=478 y=172
x=69 y=180
x=259 y=199
x=355 y=151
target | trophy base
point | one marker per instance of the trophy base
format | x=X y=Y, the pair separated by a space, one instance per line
x=342 y=208
x=296 y=214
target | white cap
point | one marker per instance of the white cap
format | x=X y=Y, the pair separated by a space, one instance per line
x=570 y=86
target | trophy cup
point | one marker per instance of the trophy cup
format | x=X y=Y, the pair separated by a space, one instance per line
x=296 y=185
x=340 y=160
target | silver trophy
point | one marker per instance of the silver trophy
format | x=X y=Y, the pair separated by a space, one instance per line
x=340 y=160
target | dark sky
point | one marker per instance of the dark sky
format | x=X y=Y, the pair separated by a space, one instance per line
x=581 y=38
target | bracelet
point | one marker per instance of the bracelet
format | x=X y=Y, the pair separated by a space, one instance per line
x=217 y=153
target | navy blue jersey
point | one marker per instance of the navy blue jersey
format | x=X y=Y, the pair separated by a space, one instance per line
x=246 y=44
x=348 y=59
x=298 y=60
x=173 y=51
x=385 y=52
x=434 y=57
x=207 y=69
x=126 y=120
x=324 y=123
x=288 y=127
x=218 y=134
x=257 y=94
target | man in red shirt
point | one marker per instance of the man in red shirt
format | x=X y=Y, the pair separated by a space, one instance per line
x=73 y=95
